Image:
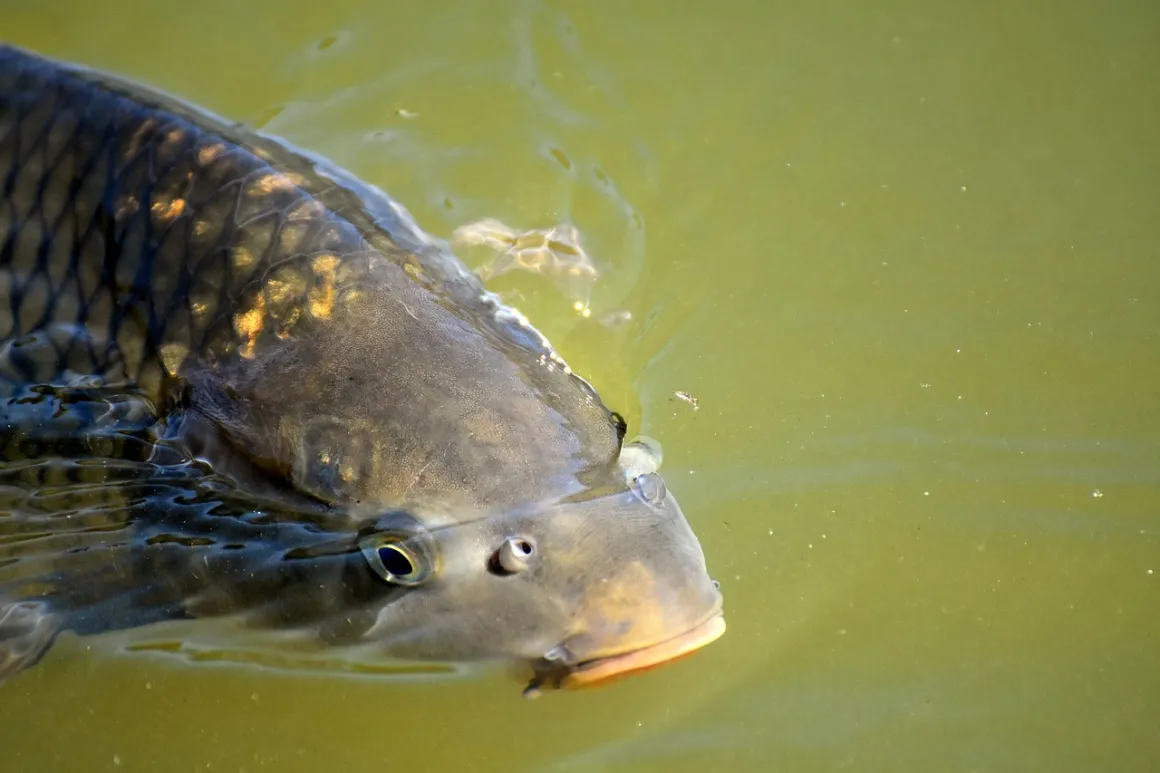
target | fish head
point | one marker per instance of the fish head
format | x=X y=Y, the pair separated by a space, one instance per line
x=604 y=582
x=378 y=410
x=538 y=536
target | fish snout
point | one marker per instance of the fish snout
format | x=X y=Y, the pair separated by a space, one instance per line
x=638 y=618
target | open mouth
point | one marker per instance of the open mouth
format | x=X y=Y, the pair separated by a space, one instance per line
x=601 y=670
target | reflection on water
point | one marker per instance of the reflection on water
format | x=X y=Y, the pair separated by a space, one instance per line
x=87 y=486
x=104 y=518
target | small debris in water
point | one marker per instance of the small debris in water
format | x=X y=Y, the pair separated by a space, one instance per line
x=613 y=318
x=404 y=113
x=1097 y=493
x=688 y=398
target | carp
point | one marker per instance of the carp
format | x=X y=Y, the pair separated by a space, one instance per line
x=396 y=456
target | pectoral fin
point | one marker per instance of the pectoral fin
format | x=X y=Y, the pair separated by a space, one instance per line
x=27 y=629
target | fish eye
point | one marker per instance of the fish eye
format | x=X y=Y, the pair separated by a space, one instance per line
x=651 y=487
x=397 y=561
x=514 y=555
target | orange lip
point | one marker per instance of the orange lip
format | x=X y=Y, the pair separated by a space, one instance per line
x=606 y=668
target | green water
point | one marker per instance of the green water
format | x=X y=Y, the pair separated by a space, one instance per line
x=907 y=257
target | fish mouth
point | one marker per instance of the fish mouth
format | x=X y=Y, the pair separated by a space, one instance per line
x=601 y=670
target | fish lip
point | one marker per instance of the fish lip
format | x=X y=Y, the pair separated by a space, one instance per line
x=600 y=670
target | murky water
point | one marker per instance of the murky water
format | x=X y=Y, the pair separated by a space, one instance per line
x=906 y=258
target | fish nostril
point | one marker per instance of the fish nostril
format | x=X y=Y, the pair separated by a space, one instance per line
x=716 y=584
x=514 y=555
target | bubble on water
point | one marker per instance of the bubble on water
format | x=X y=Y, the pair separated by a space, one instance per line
x=618 y=317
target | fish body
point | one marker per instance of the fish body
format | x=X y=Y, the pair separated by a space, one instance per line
x=407 y=460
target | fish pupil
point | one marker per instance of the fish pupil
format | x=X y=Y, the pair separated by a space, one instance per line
x=395 y=562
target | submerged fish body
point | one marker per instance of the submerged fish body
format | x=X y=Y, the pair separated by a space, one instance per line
x=407 y=461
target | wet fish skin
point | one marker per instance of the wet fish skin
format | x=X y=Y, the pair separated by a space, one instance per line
x=155 y=250
x=295 y=327
x=139 y=237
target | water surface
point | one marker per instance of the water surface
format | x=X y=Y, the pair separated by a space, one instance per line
x=904 y=254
